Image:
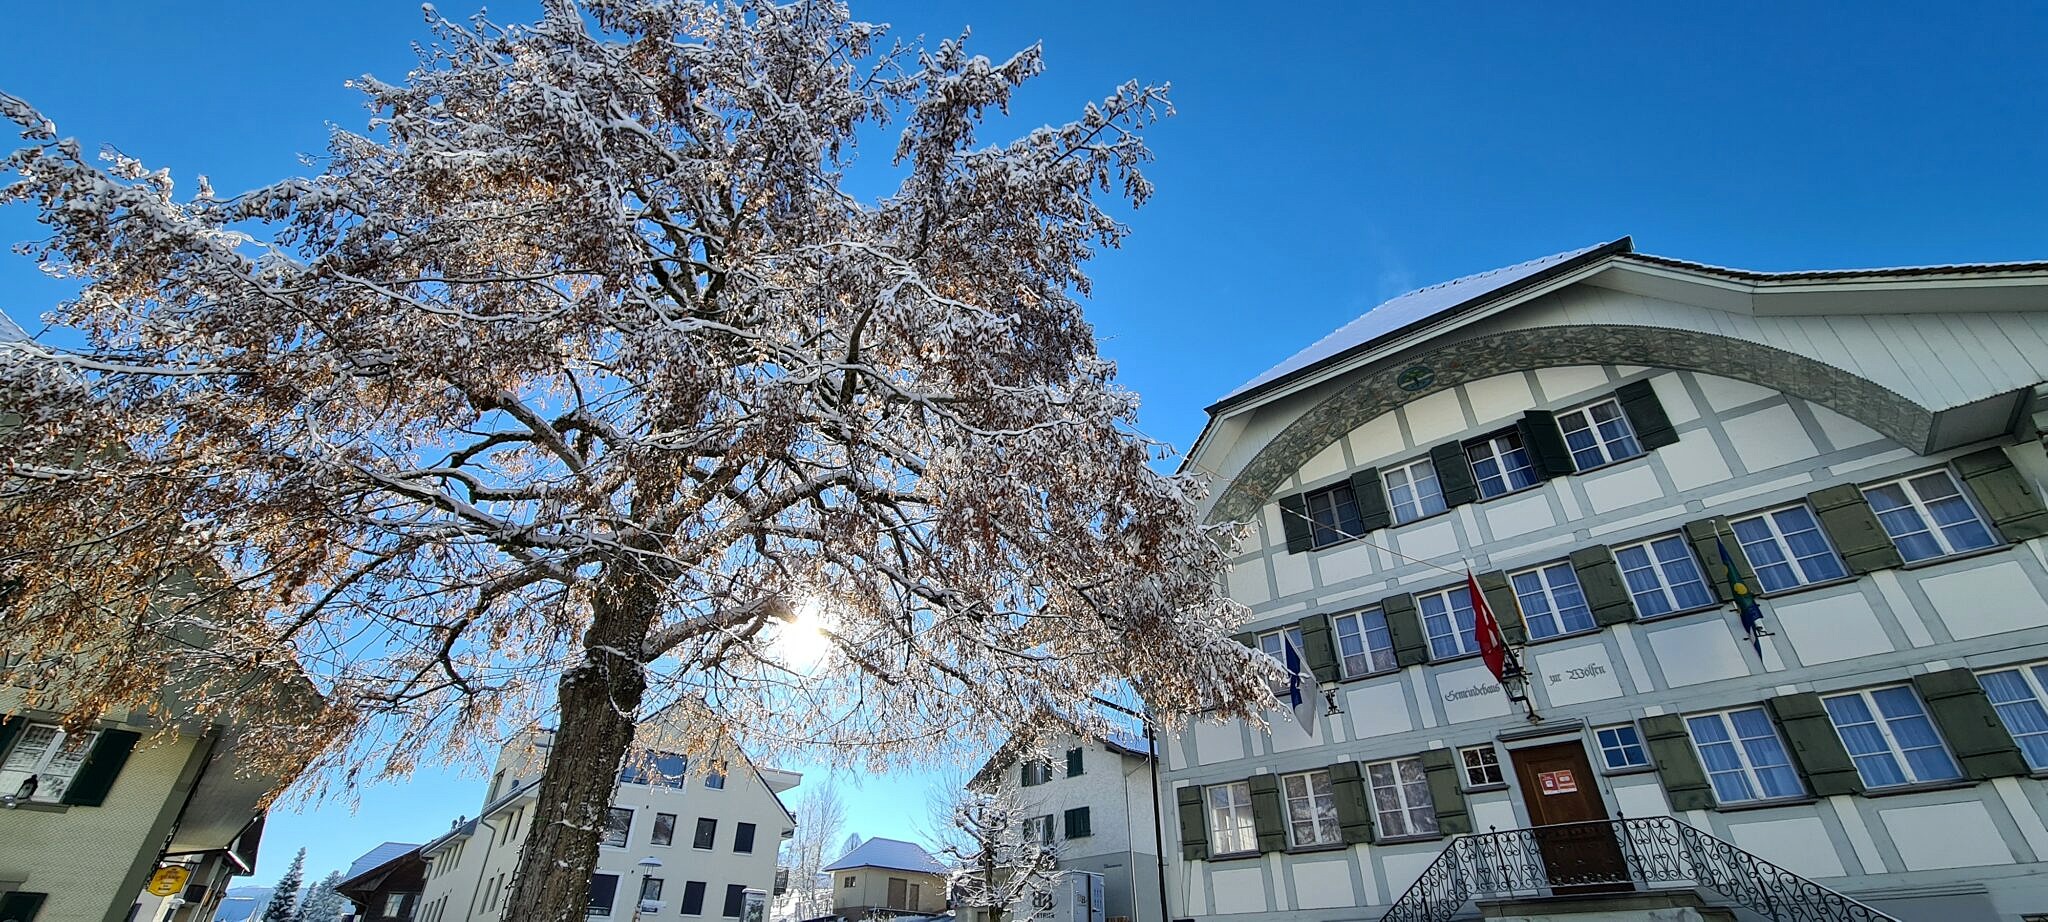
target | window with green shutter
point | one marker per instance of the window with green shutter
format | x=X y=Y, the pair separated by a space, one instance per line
x=1373 y=513
x=1500 y=599
x=1445 y=792
x=1074 y=762
x=1545 y=443
x=1077 y=823
x=1816 y=749
x=1646 y=414
x=1294 y=523
x=1600 y=580
x=1318 y=647
x=1194 y=826
x=1853 y=529
x=1267 y=815
x=1966 y=719
x=1411 y=645
x=1354 y=807
x=1453 y=474
x=1678 y=768
x=1708 y=536
x=2006 y=496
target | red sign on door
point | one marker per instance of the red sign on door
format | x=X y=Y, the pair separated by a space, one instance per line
x=1558 y=782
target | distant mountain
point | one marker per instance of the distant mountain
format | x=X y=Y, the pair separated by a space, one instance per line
x=243 y=904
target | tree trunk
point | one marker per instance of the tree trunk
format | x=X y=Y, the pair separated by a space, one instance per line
x=598 y=702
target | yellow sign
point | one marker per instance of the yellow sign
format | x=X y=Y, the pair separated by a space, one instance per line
x=169 y=881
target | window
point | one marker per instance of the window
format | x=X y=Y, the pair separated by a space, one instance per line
x=1413 y=492
x=1036 y=772
x=736 y=898
x=2017 y=694
x=1311 y=809
x=1662 y=576
x=707 y=832
x=1551 y=601
x=715 y=777
x=618 y=824
x=1038 y=829
x=916 y=894
x=1270 y=643
x=1482 y=766
x=1400 y=798
x=1074 y=762
x=1363 y=643
x=1743 y=756
x=743 y=838
x=1887 y=732
x=1622 y=747
x=666 y=769
x=664 y=829
x=49 y=755
x=1598 y=434
x=1906 y=507
x=1447 y=618
x=1231 y=829
x=1786 y=548
x=604 y=890
x=1500 y=465
x=693 y=897
x=1077 y=823
x=1333 y=516
x=848 y=882
x=650 y=890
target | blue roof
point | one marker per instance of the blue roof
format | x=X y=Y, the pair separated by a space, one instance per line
x=375 y=858
x=1404 y=311
x=894 y=854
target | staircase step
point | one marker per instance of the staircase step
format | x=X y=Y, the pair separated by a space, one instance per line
x=1647 y=906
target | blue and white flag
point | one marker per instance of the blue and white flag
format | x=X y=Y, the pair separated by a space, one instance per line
x=1301 y=686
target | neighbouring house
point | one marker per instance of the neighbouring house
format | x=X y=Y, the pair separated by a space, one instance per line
x=385 y=883
x=687 y=837
x=1599 y=436
x=1092 y=803
x=887 y=877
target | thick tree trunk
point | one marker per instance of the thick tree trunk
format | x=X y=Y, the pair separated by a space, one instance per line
x=598 y=701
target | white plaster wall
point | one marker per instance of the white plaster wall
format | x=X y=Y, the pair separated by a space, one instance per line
x=1953 y=835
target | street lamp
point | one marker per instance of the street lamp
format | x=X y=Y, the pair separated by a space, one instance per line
x=646 y=865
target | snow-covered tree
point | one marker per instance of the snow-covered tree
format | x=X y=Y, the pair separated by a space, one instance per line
x=323 y=903
x=284 y=901
x=997 y=841
x=820 y=817
x=586 y=380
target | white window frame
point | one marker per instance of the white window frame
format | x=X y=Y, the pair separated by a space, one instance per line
x=2039 y=695
x=1277 y=650
x=1749 y=768
x=1333 y=534
x=1783 y=545
x=1482 y=758
x=1406 y=804
x=1609 y=454
x=1933 y=528
x=1621 y=747
x=1490 y=448
x=1660 y=568
x=1323 y=824
x=1548 y=623
x=1419 y=504
x=1231 y=819
x=1458 y=635
x=631 y=817
x=53 y=777
x=1363 y=632
x=1891 y=740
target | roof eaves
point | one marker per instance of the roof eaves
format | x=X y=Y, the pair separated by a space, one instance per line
x=1506 y=292
x=1810 y=275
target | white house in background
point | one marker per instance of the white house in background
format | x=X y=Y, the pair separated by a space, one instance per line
x=1585 y=432
x=1093 y=801
x=711 y=828
x=887 y=877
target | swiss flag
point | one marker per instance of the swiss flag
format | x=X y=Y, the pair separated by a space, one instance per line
x=1493 y=646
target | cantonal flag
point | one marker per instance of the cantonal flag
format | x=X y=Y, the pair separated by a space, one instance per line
x=1493 y=645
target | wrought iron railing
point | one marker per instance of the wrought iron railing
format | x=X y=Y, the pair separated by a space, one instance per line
x=1612 y=855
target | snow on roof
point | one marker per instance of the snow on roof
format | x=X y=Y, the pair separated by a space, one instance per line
x=9 y=330
x=894 y=854
x=375 y=858
x=1128 y=742
x=1414 y=307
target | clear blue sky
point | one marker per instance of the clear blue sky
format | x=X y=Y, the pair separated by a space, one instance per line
x=1323 y=160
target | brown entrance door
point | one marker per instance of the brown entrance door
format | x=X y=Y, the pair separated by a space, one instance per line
x=1580 y=854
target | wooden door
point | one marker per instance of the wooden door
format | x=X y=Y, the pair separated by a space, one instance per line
x=1580 y=853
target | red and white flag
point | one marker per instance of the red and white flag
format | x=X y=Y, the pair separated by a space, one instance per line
x=1493 y=645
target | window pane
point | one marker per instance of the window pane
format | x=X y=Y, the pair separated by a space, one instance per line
x=2021 y=711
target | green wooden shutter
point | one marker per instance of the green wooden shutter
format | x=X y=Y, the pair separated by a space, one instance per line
x=20 y=906
x=1194 y=823
x=1411 y=645
x=2004 y=494
x=1816 y=747
x=1545 y=442
x=1077 y=823
x=1248 y=638
x=102 y=765
x=1678 y=768
x=1267 y=813
x=1319 y=647
x=1295 y=524
x=1959 y=707
x=1354 y=805
x=1445 y=793
x=1500 y=599
x=1646 y=415
x=1073 y=763
x=1371 y=497
x=1702 y=534
x=1853 y=528
x=1600 y=580
x=1453 y=474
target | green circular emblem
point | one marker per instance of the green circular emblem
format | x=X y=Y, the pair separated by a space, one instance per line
x=1416 y=377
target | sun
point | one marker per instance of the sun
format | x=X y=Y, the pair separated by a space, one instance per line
x=802 y=640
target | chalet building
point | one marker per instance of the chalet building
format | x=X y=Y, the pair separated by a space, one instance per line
x=886 y=878
x=1092 y=805
x=1618 y=445
x=686 y=839
x=385 y=883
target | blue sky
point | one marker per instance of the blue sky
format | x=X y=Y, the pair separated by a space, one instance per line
x=1324 y=159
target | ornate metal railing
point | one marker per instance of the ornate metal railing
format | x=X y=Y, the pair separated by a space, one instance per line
x=1615 y=855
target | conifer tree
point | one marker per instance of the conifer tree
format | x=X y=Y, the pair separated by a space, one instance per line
x=284 y=901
